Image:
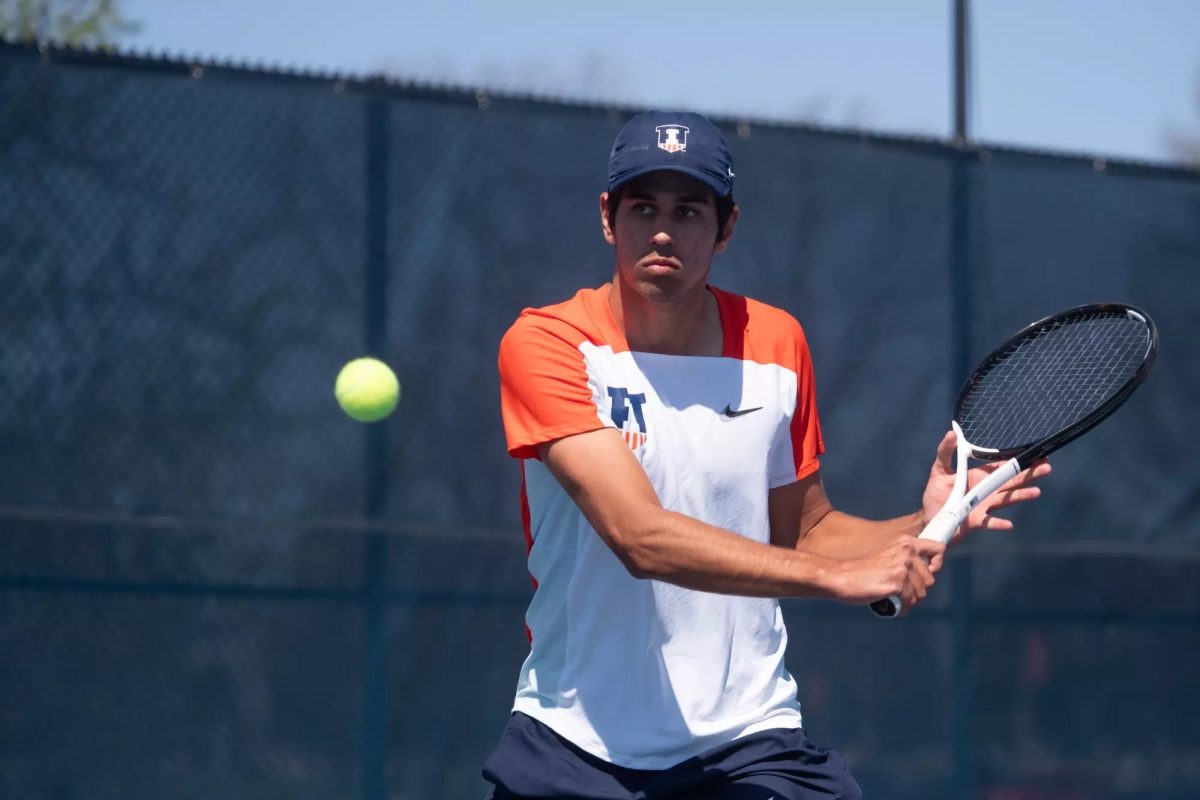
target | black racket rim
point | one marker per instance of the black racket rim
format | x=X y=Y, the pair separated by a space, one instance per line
x=1031 y=451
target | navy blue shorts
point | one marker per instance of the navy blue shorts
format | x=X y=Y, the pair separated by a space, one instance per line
x=533 y=761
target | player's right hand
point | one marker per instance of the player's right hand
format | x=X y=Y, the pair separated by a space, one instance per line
x=905 y=567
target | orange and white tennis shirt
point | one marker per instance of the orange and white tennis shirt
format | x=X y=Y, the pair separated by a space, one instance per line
x=642 y=673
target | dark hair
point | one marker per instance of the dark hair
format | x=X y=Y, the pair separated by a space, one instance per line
x=724 y=210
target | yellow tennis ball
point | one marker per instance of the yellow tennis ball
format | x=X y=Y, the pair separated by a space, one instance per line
x=367 y=389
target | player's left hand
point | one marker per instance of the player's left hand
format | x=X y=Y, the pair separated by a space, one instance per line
x=941 y=483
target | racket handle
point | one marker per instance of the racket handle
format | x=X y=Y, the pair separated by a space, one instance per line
x=941 y=528
x=945 y=523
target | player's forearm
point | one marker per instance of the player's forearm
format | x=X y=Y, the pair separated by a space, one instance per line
x=686 y=552
x=839 y=535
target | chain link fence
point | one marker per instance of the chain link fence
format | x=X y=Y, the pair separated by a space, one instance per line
x=213 y=584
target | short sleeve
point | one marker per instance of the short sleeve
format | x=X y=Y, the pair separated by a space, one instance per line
x=544 y=389
x=799 y=444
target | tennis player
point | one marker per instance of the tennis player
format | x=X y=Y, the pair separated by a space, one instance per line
x=668 y=437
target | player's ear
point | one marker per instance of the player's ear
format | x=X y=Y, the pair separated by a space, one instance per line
x=606 y=221
x=727 y=234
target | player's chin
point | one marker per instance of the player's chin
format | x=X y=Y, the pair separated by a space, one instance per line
x=660 y=288
x=662 y=285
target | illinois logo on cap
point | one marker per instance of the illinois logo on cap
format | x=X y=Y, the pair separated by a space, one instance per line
x=672 y=138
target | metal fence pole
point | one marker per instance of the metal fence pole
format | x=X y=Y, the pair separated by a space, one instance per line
x=375 y=464
x=961 y=293
x=961 y=71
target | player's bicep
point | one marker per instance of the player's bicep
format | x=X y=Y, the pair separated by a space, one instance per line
x=793 y=509
x=600 y=474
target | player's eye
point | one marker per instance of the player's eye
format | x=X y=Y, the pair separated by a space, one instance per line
x=687 y=212
x=645 y=209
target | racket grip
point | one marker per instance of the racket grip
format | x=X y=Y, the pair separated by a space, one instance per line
x=941 y=528
x=945 y=523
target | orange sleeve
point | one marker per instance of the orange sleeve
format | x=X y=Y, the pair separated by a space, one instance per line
x=796 y=450
x=807 y=443
x=544 y=389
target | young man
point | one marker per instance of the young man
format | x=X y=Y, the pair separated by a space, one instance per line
x=669 y=444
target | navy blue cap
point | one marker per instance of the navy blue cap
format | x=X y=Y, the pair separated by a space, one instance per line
x=677 y=141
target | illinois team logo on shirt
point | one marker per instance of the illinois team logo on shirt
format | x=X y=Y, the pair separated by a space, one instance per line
x=622 y=404
x=672 y=138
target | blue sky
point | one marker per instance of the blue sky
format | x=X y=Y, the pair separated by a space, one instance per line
x=1110 y=77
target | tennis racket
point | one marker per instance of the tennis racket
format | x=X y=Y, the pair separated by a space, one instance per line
x=1047 y=385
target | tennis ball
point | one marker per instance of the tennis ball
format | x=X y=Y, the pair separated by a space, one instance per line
x=367 y=389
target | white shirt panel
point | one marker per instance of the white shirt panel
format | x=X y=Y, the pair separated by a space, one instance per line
x=641 y=673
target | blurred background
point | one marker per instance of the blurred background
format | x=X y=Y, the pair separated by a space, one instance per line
x=213 y=583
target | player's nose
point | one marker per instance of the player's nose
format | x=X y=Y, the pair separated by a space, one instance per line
x=661 y=238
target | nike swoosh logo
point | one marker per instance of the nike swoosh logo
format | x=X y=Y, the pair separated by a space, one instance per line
x=729 y=412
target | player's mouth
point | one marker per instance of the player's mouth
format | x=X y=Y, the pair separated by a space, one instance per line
x=658 y=265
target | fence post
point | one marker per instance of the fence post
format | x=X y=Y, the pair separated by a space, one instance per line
x=963 y=677
x=375 y=463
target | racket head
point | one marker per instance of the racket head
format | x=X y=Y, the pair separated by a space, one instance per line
x=1055 y=379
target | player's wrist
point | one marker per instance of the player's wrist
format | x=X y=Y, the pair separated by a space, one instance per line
x=830 y=577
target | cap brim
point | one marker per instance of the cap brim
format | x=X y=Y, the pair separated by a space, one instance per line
x=720 y=188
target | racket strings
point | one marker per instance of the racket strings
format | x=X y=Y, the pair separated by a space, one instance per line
x=1052 y=378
